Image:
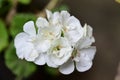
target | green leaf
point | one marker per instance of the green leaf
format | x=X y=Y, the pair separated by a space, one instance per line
x=60 y=8
x=24 y=1
x=3 y=36
x=20 y=68
x=52 y=71
x=18 y=21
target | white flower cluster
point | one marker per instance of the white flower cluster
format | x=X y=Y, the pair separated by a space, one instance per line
x=58 y=41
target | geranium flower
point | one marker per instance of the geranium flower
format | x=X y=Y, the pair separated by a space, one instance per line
x=71 y=27
x=83 y=53
x=24 y=42
x=60 y=42
x=59 y=52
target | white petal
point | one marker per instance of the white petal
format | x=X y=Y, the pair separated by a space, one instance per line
x=83 y=65
x=20 y=39
x=31 y=56
x=56 y=18
x=65 y=16
x=20 y=54
x=42 y=45
x=85 y=42
x=85 y=59
x=29 y=28
x=56 y=30
x=67 y=67
x=74 y=22
x=90 y=52
x=40 y=60
x=25 y=50
x=49 y=62
x=49 y=14
x=42 y=22
x=73 y=36
x=74 y=30
x=88 y=30
x=61 y=57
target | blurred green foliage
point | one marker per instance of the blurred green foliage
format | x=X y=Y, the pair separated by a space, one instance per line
x=3 y=36
x=19 y=67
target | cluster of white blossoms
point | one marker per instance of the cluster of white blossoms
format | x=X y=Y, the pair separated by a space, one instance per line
x=58 y=41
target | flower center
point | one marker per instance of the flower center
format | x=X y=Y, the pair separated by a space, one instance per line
x=74 y=53
x=56 y=51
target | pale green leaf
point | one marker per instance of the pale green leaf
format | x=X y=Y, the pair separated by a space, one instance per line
x=3 y=36
x=20 y=68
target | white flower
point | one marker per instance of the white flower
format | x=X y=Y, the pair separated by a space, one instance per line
x=60 y=41
x=46 y=34
x=24 y=42
x=59 y=52
x=83 y=54
x=72 y=28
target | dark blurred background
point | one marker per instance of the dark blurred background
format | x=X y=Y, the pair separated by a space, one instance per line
x=104 y=17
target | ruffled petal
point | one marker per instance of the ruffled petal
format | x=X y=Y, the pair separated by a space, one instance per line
x=84 y=58
x=73 y=36
x=56 y=18
x=31 y=56
x=49 y=14
x=73 y=29
x=74 y=23
x=67 y=67
x=90 y=52
x=42 y=45
x=24 y=48
x=87 y=38
x=20 y=39
x=65 y=16
x=29 y=28
x=85 y=42
x=24 y=51
x=83 y=65
x=88 y=30
x=61 y=55
x=42 y=22
x=49 y=62
x=40 y=60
